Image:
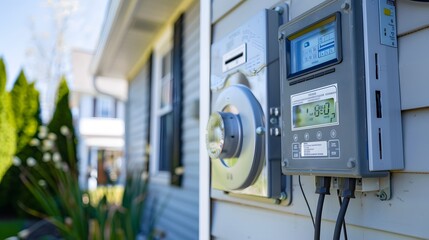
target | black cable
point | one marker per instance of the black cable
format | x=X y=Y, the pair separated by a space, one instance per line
x=347 y=187
x=306 y=201
x=344 y=222
x=319 y=216
x=323 y=186
x=340 y=218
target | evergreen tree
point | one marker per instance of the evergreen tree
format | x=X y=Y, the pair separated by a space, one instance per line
x=25 y=100
x=63 y=118
x=26 y=112
x=7 y=125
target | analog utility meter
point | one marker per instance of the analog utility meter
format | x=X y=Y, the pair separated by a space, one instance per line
x=243 y=131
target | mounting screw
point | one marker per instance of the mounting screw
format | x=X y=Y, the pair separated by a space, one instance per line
x=281 y=36
x=285 y=163
x=345 y=6
x=260 y=130
x=382 y=195
x=279 y=10
x=351 y=163
x=283 y=196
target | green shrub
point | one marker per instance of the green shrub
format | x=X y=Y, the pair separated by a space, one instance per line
x=7 y=125
x=25 y=106
x=63 y=117
x=26 y=113
x=69 y=208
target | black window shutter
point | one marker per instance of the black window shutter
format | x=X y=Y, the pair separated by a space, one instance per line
x=149 y=106
x=176 y=167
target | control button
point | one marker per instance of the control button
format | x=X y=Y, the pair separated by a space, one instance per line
x=334 y=144
x=335 y=153
x=295 y=137
x=295 y=155
x=306 y=136
x=319 y=135
x=333 y=133
x=295 y=146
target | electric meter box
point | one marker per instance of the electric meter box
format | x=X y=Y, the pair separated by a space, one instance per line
x=243 y=132
x=340 y=99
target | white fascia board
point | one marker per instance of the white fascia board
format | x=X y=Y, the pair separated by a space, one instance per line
x=117 y=20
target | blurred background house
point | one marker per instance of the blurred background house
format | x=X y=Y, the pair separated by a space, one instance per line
x=99 y=120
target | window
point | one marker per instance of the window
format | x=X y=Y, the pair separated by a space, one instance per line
x=104 y=107
x=166 y=107
x=165 y=112
x=162 y=109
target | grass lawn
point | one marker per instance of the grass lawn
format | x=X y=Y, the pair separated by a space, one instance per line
x=10 y=227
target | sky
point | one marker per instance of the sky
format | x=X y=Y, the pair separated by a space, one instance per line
x=21 y=19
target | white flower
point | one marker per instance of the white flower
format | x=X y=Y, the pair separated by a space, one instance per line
x=42 y=183
x=65 y=167
x=64 y=130
x=43 y=132
x=58 y=165
x=47 y=145
x=68 y=221
x=16 y=161
x=52 y=136
x=46 y=157
x=31 y=162
x=56 y=157
x=34 y=142
x=85 y=198
x=12 y=238
x=23 y=234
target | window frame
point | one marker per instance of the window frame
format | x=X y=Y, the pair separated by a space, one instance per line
x=163 y=46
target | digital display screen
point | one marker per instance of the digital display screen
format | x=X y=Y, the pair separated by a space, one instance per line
x=315 y=108
x=315 y=113
x=314 y=46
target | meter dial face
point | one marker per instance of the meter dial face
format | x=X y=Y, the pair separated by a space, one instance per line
x=224 y=137
x=215 y=135
x=236 y=150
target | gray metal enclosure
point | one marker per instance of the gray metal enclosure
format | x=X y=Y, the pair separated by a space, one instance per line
x=402 y=217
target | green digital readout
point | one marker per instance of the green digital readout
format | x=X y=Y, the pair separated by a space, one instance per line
x=314 y=113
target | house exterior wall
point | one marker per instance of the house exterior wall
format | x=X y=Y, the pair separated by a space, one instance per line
x=137 y=120
x=178 y=206
x=402 y=217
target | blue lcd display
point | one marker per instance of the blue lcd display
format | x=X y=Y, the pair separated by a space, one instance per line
x=314 y=47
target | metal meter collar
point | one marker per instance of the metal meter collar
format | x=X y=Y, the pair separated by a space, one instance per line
x=235 y=137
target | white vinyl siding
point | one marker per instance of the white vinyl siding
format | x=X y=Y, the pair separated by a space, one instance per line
x=137 y=119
